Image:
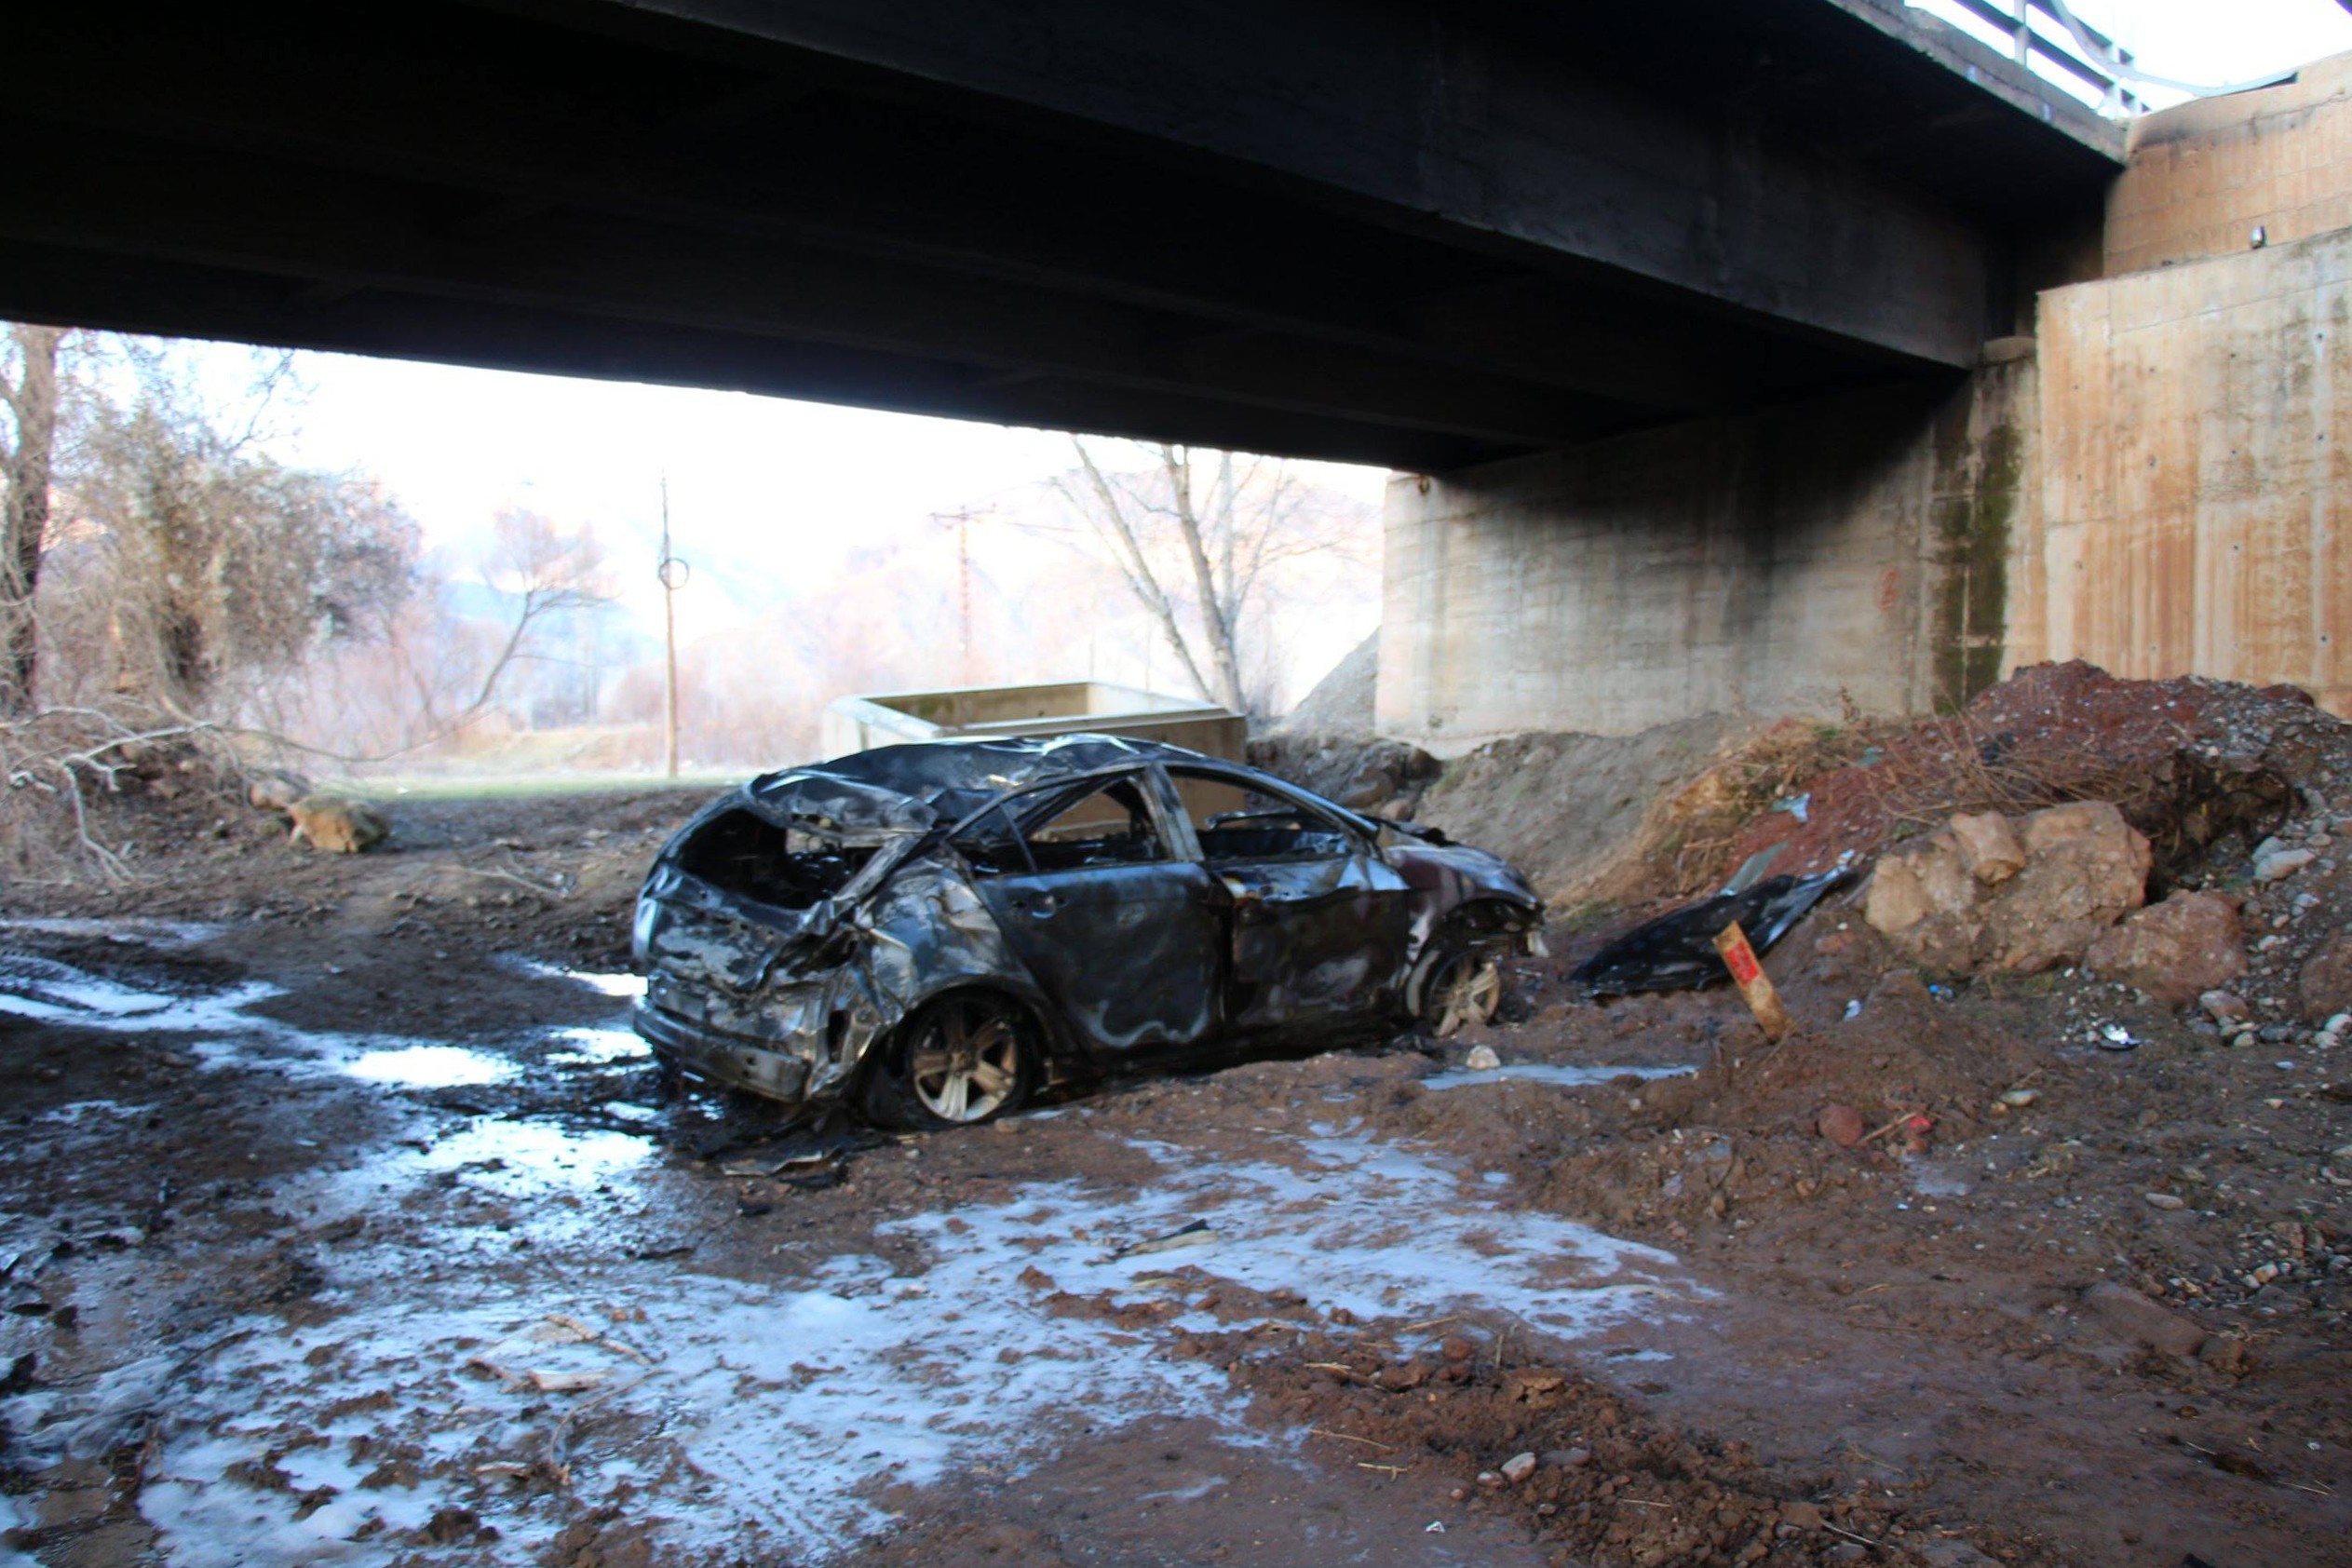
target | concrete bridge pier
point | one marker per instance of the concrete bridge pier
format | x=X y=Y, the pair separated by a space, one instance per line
x=1847 y=549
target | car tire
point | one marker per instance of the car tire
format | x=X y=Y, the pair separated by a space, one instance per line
x=1461 y=980
x=961 y=1059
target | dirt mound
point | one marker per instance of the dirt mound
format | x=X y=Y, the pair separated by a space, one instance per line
x=1690 y=839
x=2195 y=764
x=1362 y=773
x=1341 y=703
x=1570 y=810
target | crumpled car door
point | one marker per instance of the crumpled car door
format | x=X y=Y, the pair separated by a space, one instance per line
x=1321 y=925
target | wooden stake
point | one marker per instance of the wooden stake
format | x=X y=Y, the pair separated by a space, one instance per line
x=1754 y=984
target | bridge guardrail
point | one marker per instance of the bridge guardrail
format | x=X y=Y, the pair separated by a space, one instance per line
x=2077 y=50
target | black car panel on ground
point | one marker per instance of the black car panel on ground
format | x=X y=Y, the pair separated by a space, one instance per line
x=935 y=930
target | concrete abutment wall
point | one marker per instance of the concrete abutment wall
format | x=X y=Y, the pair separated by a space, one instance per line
x=2152 y=483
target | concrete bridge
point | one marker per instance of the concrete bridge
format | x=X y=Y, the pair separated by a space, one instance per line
x=1392 y=231
x=1737 y=354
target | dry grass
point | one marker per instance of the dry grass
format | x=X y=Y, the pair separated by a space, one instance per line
x=1948 y=765
x=1688 y=839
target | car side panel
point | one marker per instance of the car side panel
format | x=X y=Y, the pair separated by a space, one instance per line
x=1128 y=955
x=1313 y=941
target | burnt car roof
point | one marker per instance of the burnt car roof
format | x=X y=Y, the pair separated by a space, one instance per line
x=910 y=787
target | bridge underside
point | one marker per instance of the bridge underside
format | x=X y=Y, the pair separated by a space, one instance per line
x=1350 y=232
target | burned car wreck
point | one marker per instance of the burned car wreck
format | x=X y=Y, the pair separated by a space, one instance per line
x=933 y=932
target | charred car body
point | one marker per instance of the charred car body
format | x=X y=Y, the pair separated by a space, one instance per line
x=933 y=931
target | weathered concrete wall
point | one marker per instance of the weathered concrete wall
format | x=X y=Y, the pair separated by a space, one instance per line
x=2154 y=485
x=2202 y=176
x=1857 y=544
x=2192 y=474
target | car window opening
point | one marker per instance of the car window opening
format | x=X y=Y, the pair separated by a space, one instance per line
x=743 y=853
x=1238 y=825
x=993 y=846
x=1106 y=825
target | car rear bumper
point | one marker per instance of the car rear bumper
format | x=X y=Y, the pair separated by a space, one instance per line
x=735 y=1061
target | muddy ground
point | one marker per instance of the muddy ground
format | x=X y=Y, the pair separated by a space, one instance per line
x=344 y=1224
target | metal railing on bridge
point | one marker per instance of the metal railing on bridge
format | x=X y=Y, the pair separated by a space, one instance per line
x=2067 y=46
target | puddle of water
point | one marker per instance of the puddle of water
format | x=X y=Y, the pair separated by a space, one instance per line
x=429 y=1067
x=1546 y=1073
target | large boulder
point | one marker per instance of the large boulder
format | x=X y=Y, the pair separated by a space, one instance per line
x=2175 y=951
x=1968 y=896
x=337 y=825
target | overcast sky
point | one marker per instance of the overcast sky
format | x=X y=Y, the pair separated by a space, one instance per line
x=781 y=480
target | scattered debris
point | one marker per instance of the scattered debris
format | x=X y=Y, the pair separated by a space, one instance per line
x=1678 y=951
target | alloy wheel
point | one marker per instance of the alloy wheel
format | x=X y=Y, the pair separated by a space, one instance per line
x=966 y=1063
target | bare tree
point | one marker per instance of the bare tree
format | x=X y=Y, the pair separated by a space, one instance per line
x=29 y=393
x=1193 y=537
x=217 y=567
x=545 y=574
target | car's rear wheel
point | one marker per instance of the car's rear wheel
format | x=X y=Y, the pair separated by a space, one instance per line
x=962 y=1059
x=1462 y=983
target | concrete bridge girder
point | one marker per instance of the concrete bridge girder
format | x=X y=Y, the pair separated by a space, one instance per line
x=1383 y=232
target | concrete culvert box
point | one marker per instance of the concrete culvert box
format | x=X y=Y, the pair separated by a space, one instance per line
x=859 y=723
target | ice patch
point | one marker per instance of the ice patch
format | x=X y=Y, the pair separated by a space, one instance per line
x=1373 y=1227
x=48 y=991
x=620 y=986
x=790 y=1407
x=429 y=1067
x=526 y=1157
x=596 y=1046
x=1547 y=1072
x=82 y=1110
x=1929 y=1179
x=164 y=935
x=51 y=992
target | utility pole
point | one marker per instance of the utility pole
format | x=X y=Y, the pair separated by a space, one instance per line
x=673 y=574
x=963 y=517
